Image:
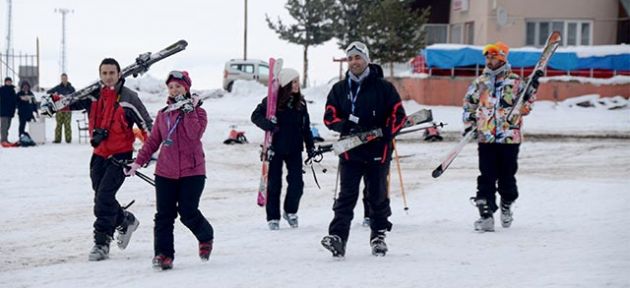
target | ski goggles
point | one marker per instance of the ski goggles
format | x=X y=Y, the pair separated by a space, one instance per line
x=358 y=47
x=178 y=75
x=497 y=50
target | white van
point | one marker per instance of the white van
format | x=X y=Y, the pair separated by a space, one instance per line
x=251 y=69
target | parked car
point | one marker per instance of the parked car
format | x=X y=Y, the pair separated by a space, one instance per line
x=251 y=69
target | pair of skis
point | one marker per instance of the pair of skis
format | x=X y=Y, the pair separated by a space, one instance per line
x=142 y=64
x=550 y=47
x=348 y=143
x=266 y=154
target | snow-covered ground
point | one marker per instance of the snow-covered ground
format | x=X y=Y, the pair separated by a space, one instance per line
x=570 y=230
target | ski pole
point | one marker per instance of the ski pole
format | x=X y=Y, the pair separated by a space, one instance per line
x=434 y=125
x=402 y=187
x=123 y=164
x=336 y=183
x=145 y=178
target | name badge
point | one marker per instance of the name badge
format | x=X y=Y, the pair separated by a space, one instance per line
x=354 y=119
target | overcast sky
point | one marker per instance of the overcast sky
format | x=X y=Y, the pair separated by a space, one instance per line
x=125 y=28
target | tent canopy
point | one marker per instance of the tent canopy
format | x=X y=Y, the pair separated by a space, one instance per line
x=610 y=57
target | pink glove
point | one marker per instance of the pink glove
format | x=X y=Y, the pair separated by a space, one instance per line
x=131 y=171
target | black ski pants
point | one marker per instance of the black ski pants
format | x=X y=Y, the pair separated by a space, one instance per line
x=498 y=164
x=179 y=196
x=295 y=184
x=107 y=177
x=375 y=177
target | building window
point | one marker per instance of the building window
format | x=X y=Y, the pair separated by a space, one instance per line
x=469 y=33
x=436 y=33
x=573 y=32
x=530 y=35
x=586 y=34
x=456 y=34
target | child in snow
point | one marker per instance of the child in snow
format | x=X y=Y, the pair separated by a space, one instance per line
x=489 y=99
x=292 y=130
x=180 y=172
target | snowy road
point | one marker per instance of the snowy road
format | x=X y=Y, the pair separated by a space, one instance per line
x=570 y=230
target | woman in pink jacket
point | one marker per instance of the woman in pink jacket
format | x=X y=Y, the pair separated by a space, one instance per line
x=180 y=173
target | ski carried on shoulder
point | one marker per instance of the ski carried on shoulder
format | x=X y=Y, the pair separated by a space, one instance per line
x=142 y=64
x=550 y=47
x=353 y=141
x=188 y=101
x=266 y=154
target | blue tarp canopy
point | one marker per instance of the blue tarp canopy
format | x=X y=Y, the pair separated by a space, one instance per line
x=610 y=57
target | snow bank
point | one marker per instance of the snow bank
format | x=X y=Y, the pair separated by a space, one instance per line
x=616 y=80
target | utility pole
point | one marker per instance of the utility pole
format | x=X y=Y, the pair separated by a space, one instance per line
x=63 y=60
x=245 y=35
x=9 y=20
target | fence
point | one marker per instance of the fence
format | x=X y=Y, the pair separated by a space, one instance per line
x=20 y=67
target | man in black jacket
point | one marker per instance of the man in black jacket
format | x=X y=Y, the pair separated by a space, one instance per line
x=361 y=102
x=63 y=117
x=8 y=103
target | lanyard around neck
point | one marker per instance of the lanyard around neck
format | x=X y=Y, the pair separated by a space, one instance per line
x=171 y=129
x=353 y=98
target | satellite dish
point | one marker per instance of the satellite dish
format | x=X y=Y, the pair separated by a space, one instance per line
x=502 y=16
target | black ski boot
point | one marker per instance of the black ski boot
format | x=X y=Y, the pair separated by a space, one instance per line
x=506 y=214
x=486 y=222
x=335 y=245
x=128 y=226
x=377 y=242
x=100 y=250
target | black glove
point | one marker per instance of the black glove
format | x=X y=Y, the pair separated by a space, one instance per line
x=535 y=77
x=534 y=87
x=310 y=152
x=469 y=128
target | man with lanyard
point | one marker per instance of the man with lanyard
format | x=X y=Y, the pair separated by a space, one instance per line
x=362 y=102
x=112 y=112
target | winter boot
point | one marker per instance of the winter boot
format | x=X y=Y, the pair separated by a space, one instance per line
x=486 y=222
x=128 y=226
x=335 y=245
x=274 y=224
x=506 y=214
x=292 y=218
x=100 y=250
x=205 y=248
x=161 y=262
x=366 y=222
x=377 y=242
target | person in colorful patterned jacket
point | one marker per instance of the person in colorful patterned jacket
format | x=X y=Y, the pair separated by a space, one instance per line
x=180 y=172
x=112 y=110
x=487 y=103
